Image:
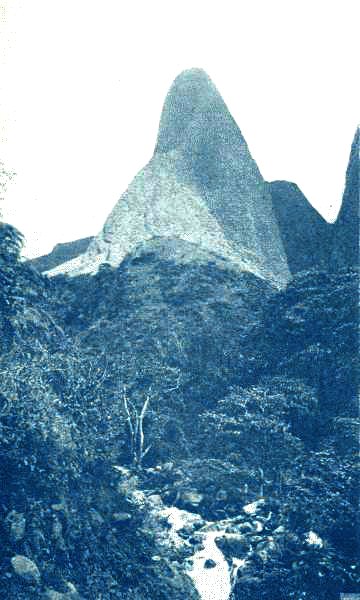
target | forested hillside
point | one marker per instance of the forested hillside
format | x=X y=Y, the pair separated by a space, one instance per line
x=176 y=380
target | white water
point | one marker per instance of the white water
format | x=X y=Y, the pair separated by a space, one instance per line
x=178 y=519
x=214 y=583
x=211 y=583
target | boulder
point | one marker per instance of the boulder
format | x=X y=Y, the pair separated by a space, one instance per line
x=155 y=500
x=209 y=564
x=71 y=594
x=192 y=498
x=233 y=545
x=17 y=523
x=26 y=569
x=221 y=496
x=244 y=527
x=121 y=517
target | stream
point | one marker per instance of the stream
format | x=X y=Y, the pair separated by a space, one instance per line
x=175 y=529
x=212 y=582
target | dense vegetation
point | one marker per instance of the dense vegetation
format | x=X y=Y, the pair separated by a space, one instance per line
x=251 y=394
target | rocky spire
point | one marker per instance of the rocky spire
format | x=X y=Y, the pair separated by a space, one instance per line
x=201 y=186
x=345 y=239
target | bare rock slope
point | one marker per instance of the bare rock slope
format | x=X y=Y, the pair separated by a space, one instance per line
x=304 y=232
x=345 y=240
x=201 y=186
x=60 y=253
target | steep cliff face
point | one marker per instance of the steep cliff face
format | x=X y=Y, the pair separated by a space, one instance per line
x=306 y=236
x=309 y=241
x=60 y=254
x=345 y=231
x=201 y=186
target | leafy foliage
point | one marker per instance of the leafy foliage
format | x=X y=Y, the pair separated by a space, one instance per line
x=10 y=288
x=61 y=430
x=311 y=331
x=251 y=397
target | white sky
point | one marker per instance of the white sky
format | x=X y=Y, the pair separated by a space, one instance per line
x=83 y=83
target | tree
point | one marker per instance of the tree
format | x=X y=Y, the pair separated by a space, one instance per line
x=6 y=177
x=10 y=289
x=310 y=332
x=259 y=427
x=135 y=421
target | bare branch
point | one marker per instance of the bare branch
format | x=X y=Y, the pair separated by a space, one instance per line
x=128 y=414
x=136 y=428
x=144 y=408
x=147 y=450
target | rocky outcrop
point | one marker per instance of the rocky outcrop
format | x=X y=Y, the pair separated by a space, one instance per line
x=26 y=569
x=60 y=254
x=201 y=186
x=345 y=231
x=310 y=242
x=211 y=555
x=306 y=236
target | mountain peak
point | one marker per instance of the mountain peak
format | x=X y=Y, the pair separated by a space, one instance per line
x=195 y=75
x=192 y=106
x=201 y=186
x=347 y=225
x=350 y=203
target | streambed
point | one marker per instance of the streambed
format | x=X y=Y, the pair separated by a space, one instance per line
x=208 y=568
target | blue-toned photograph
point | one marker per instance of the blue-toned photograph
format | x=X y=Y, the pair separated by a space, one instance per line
x=179 y=300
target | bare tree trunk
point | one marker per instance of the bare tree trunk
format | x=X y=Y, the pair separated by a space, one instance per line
x=261 y=482
x=136 y=430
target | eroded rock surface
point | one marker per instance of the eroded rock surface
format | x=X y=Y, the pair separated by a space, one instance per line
x=201 y=186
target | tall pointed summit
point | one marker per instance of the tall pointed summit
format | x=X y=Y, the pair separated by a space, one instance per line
x=201 y=186
x=345 y=241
